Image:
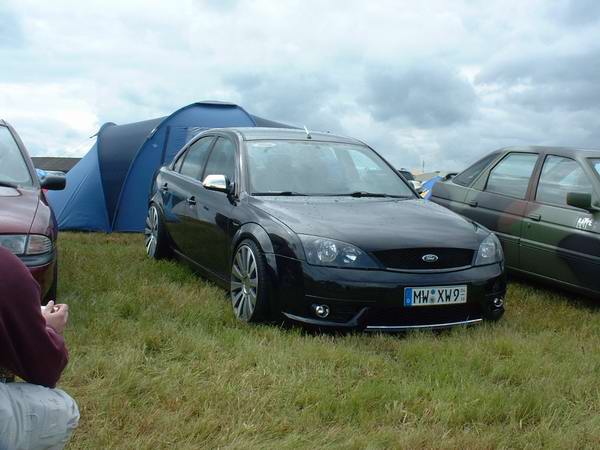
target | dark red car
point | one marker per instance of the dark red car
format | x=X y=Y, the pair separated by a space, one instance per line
x=27 y=224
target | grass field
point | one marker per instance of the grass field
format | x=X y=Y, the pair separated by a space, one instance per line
x=158 y=361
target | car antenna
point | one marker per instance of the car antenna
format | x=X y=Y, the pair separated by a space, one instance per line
x=308 y=136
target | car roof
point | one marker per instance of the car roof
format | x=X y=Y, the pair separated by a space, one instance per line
x=260 y=133
x=559 y=151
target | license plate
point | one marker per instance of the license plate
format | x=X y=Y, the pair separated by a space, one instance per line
x=434 y=295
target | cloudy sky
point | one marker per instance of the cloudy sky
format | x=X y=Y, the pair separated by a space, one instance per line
x=436 y=81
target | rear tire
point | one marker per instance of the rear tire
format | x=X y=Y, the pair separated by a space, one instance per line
x=155 y=236
x=250 y=283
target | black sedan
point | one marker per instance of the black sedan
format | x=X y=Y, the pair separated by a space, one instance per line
x=321 y=230
x=544 y=204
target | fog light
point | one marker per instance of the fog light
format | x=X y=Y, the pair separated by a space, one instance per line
x=498 y=302
x=321 y=311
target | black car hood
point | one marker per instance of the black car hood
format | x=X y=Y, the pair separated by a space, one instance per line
x=373 y=223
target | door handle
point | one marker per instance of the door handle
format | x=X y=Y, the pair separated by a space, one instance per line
x=164 y=187
x=191 y=200
x=536 y=217
x=472 y=203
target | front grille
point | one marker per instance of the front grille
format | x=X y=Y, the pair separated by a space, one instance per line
x=412 y=258
x=423 y=315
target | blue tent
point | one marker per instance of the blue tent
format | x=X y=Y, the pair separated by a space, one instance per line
x=427 y=186
x=108 y=189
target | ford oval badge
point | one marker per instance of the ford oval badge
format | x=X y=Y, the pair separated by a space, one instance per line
x=430 y=258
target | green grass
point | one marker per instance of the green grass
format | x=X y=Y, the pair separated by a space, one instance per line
x=158 y=361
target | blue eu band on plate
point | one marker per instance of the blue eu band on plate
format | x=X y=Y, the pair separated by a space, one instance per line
x=434 y=295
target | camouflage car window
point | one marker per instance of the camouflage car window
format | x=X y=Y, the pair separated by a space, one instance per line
x=511 y=176
x=559 y=177
x=466 y=177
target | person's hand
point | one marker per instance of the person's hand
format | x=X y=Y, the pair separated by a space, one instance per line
x=56 y=316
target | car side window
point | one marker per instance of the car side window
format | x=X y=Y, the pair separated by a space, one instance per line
x=221 y=160
x=179 y=162
x=560 y=176
x=467 y=176
x=511 y=176
x=195 y=158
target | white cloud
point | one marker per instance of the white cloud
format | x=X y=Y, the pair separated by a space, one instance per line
x=70 y=66
x=52 y=118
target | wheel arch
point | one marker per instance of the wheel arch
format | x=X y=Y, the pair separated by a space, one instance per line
x=260 y=236
x=154 y=199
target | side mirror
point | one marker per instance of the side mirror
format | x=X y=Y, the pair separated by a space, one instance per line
x=417 y=185
x=581 y=200
x=53 y=181
x=218 y=183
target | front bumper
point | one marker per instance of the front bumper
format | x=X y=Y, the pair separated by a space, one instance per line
x=373 y=299
x=42 y=269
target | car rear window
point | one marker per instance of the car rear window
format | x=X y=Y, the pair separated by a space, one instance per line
x=13 y=169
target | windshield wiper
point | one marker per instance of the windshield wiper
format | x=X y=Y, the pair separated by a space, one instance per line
x=8 y=184
x=373 y=194
x=281 y=193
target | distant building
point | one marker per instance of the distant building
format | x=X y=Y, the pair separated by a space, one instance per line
x=54 y=163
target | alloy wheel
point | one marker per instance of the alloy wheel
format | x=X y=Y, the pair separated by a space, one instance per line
x=244 y=283
x=151 y=231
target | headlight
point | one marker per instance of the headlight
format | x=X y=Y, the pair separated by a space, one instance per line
x=22 y=244
x=490 y=251
x=14 y=243
x=329 y=252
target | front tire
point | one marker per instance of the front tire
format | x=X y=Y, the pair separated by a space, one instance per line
x=249 y=287
x=155 y=238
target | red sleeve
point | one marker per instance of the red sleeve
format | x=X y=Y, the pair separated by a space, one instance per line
x=28 y=348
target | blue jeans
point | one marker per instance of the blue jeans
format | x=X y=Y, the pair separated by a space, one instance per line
x=34 y=417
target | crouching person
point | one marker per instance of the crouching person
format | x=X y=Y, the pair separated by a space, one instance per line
x=33 y=414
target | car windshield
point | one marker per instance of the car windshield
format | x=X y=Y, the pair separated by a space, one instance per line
x=13 y=169
x=281 y=167
x=596 y=165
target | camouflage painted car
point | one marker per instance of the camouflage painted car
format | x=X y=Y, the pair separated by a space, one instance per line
x=544 y=205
